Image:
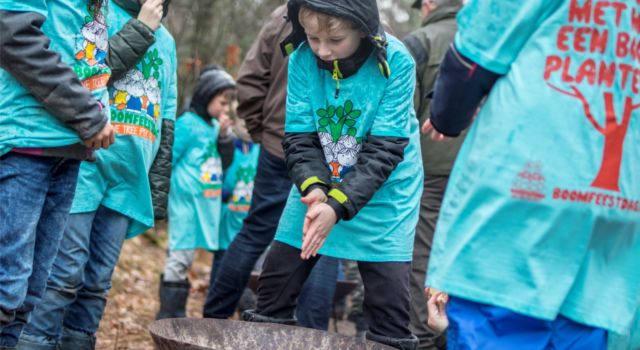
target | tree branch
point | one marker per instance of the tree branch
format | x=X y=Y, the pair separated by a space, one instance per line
x=585 y=104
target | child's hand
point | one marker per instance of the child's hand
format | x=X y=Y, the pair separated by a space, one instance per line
x=225 y=124
x=103 y=139
x=315 y=196
x=320 y=218
x=437 y=310
x=151 y=13
x=312 y=198
x=427 y=127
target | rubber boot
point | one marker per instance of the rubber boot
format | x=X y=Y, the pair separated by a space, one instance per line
x=254 y=316
x=76 y=340
x=173 y=299
x=410 y=343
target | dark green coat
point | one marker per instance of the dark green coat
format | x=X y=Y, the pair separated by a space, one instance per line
x=428 y=45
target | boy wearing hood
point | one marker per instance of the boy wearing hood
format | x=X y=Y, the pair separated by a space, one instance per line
x=113 y=196
x=203 y=148
x=352 y=150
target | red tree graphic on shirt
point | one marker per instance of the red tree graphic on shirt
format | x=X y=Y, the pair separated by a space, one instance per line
x=608 y=177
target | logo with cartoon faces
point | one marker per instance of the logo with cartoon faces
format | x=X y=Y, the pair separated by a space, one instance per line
x=138 y=94
x=337 y=129
x=92 y=49
x=243 y=190
x=211 y=171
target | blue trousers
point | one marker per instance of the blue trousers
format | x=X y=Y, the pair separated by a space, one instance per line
x=76 y=293
x=475 y=326
x=35 y=198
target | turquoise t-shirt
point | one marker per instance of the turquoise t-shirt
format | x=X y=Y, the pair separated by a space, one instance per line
x=238 y=182
x=196 y=185
x=81 y=41
x=542 y=211
x=368 y=104
x=139 y=102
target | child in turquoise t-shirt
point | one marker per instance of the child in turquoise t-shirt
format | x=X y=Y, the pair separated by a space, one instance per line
x=53 y=95
x=237 y=191
x=113 y=196
x=352 y=150
x=538 y=240
x=203 y=148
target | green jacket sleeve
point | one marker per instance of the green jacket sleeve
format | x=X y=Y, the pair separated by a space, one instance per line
x=127 y=47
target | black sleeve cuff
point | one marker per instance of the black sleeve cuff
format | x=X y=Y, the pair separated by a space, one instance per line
x=341 y=211
x=323 y=187
x=447 y=134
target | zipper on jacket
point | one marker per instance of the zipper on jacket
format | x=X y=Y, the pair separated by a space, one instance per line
x=337 y=75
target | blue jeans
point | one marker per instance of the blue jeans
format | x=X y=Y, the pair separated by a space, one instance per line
x=483 y=327
x=271 y=190
x=35 y=198
x=80 y=279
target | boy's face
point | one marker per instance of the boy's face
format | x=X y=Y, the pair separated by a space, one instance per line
x=219 y=105
x=332 y=45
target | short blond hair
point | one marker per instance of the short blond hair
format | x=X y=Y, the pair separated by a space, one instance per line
x=324 y=21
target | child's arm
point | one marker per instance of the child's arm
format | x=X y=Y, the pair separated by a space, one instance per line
x=254 y=76
x=25 y=54
x=304 y=157
x=384 y=148
x=480 y=55
x=160 y=172
x=226 y=148
x=460 y=87
x=129 y=45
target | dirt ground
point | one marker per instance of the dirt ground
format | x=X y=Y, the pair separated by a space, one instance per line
x=133 y=300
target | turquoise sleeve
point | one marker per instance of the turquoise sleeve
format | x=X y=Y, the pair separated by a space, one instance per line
x=299 y=116
x=393 y=118
x=492 y=32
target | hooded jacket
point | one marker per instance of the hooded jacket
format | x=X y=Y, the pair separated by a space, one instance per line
x=364 y=13
x=212 y=81
x=307 y=164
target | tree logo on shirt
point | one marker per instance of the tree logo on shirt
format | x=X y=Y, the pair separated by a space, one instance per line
x=135 y=99
x=529 y=183
x=243 y=189
x=338 y=129
x=584 y=50
x=211 y=172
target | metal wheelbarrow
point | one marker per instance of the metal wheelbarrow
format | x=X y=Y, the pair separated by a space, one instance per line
x=214 y=334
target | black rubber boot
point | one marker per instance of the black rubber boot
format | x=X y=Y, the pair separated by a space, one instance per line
x=253 y=316
x=173 y=299
x=410 y=343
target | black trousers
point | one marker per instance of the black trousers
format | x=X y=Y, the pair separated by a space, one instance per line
x=386 y=289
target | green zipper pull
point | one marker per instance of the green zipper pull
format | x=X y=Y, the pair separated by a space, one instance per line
x=337 y=75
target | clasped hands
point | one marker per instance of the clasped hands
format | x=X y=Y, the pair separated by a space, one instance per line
x=318 y=222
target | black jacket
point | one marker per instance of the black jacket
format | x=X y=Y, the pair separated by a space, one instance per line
x=126 y=48
x=379 y=156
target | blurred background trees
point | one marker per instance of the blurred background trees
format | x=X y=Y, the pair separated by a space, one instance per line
x=221 y=32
